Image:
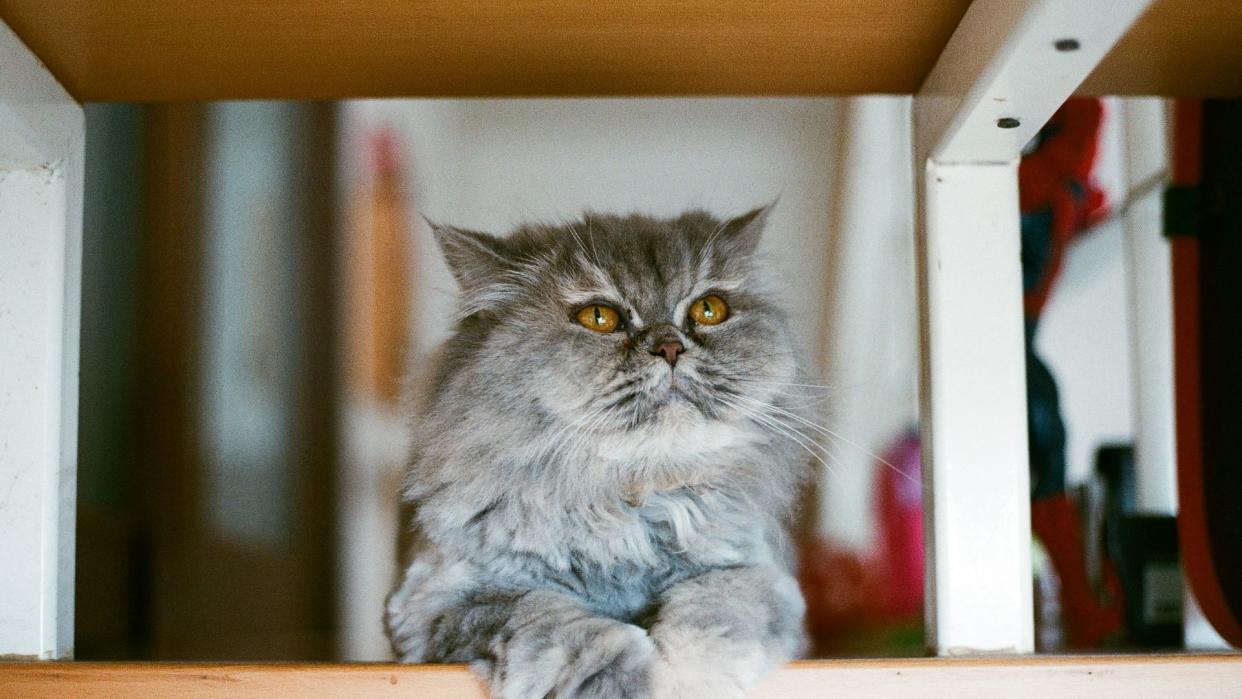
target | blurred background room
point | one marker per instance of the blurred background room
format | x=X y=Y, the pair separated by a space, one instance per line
x=259 y=282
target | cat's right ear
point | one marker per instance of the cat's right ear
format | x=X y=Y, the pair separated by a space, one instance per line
x=476 y=259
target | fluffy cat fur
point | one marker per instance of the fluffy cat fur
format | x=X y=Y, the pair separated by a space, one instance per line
x=591 y=520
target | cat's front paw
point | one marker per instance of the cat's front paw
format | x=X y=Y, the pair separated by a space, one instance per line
x=585 y=659
x=686 y=669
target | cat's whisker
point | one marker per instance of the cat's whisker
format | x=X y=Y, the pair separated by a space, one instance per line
x=578 y=439
x=591 y=236
x=767 y=355
x=835 y=436
x=786 y=430
x=754 y=363
x=581 y=442
x=809 y=403
x=623 y=380
x=554 y=442
x=788 y=391
x=711 y=239
x=810 y=398
x=807 y=445
x=784 y=383
x=581 y=246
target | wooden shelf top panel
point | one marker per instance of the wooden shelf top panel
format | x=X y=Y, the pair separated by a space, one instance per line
x=138 y=50
x=1179 y=48
x=1033 y=677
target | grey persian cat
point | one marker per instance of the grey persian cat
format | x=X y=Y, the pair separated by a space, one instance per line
x=600 y=479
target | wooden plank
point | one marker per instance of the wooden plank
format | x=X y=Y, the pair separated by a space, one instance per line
x=1180 y=48
x=326 y=49
x=1037 y=678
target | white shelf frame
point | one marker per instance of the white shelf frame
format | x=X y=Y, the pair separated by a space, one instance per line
x=1005 y=70
x=1003 y=62
x=42 y=140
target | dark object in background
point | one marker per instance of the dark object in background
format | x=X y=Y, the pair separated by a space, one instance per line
x=1044 y=426
x=1114 y=464
x=1204 y=222
x=159 y=575
x=1151 y=575
x=1143 y=548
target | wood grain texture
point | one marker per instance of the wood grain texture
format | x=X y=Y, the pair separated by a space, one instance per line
x=327 y=49
x=1179 y=48
x=1037 y=677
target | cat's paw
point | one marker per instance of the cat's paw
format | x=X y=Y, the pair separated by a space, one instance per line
x=616 y=664
x=686 y=669
x=586 y=659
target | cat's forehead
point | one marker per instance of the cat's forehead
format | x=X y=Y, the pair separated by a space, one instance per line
x=648 y=263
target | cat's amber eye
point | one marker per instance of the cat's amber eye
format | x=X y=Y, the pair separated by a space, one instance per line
x=709 y=310
x=601 y=319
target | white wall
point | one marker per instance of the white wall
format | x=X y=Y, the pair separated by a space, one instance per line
x=1083 y=339
x=489 y=165
x=871 y=339
x=1085 y=334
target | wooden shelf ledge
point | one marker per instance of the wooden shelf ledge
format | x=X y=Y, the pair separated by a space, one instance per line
x=138 y=50
x=1031 y=676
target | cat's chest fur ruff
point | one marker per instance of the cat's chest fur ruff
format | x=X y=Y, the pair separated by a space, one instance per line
x=613 y=552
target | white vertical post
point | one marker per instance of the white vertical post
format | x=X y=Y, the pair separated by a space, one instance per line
x=1006 y=69
x=1144 y=125
x=974 y=403
x=41 y=171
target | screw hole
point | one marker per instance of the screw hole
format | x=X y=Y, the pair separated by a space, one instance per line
x=1066 y=44
x=1008 y=123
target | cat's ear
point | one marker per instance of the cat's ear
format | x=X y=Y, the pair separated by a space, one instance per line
x=740 y=235
x=477 y=260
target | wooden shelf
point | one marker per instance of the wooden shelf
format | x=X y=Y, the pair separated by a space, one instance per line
x=139 y=50
x=1037 y=677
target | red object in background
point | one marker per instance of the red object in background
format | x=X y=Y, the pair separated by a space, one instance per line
x=1088 y=620
x=1059 y=199
x=1192 y=519
x=848 y=591
x=1056 y=177
x=899 y=507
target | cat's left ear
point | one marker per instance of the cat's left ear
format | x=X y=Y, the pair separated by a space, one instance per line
x=741 y=234
x=477 y=260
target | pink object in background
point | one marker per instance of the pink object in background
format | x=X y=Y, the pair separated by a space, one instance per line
x=899 y=510
x=851 y=596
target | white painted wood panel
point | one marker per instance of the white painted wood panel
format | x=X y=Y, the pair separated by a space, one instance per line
x=974 y=412
x=1144 y=125
x=41 y=180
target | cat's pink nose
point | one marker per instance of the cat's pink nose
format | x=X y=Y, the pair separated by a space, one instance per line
x=670 y=351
